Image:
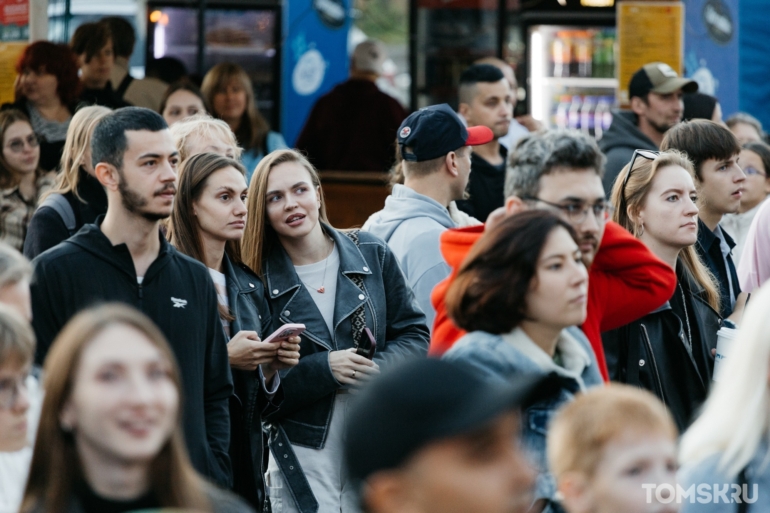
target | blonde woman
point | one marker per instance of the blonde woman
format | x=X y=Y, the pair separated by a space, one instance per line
x=668 y=351
x=204 y=134
x=77 y=198
x=230 y=93
x=727 y=446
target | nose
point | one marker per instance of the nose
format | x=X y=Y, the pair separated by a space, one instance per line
x=240 y=208
x=690 y=209
x=589 y=225
x=168 y=172
x=291 y=202
x=141 y=390
x=22 y=398
x=740 y=176
x=579 y=274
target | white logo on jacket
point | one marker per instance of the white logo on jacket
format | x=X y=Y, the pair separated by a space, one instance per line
x=179 y=303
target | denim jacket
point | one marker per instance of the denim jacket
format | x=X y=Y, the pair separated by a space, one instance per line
x=309 y=388
x=501 y=357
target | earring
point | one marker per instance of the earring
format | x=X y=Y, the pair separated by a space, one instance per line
x=641 y=230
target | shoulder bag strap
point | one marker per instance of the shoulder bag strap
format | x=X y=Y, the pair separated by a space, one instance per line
x=62 y=207
x=743 y=482
x=124 y=85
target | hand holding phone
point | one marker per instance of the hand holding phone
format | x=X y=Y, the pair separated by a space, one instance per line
x=366 y=345
x=284 y=332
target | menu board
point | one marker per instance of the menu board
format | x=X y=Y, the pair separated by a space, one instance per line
x=648 y=32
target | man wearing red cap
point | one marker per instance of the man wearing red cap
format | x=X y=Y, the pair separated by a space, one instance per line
x=435 y=146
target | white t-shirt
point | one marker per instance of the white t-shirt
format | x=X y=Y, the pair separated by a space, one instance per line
x=220 y=284
x=312 y=276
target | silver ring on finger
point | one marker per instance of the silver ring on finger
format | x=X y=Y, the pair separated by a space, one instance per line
x=353 y=375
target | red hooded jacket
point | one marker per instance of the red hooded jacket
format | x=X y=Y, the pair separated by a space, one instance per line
x=626 y=281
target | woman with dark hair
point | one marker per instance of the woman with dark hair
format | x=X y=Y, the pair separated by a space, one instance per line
x=22 y=182
x=521 y=293
x=701 y=106
x=92 y=44
x=668 y=351
x=755 y=162
x=110 y=437
x=348 y=290
x=207 y=224
x=47 y=90
x=182 y=100
x=228 y=90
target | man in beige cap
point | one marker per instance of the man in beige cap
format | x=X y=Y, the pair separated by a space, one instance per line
x=656 y=105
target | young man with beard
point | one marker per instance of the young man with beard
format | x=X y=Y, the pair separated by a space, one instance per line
x=562 y=171
x=486 y=100
x=655 y=93
x=714 y=151
x=123 y=257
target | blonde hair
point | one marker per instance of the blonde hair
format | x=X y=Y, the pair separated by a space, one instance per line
x=736 y=417
x=14 y=267
x=629 y=195
x=253 y=127
x=201 y=125
x=581 y=430
x=78 y=139
x=17 y=340
x=259 y=236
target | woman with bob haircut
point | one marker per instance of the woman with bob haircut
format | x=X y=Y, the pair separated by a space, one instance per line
x=727 y=445
x=520 y=293
x=668 y=351
x=204 y=134
x=110 y=437
x=182 y=100
x=77 y=192
x=20 y=398
x=207 y=224
x=22 y=181
x=47 y=91
x=15 y=275
x=345 y=287
x=228 y=90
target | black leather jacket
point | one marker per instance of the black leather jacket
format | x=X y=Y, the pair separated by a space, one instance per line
x=248 y=304
x=645 y=353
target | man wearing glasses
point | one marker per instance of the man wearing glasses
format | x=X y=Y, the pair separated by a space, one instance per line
x=562 y=171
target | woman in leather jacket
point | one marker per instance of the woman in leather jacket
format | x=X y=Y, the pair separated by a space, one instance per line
x=207 y=224
x=340 y=285
x=668 y=351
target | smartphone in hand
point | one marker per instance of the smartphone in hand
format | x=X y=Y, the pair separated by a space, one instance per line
x=285 y=332
x=366 y=345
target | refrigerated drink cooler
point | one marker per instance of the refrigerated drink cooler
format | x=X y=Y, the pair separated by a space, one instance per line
x=572 y=76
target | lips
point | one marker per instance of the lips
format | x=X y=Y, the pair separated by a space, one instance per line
x=238 y=224
x=579 y=300
x=137 y=428
x=295 y=219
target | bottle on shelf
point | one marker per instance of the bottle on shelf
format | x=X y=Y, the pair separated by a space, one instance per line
x=587 y=115
x=561 y=54
x=562 y=111
x=582 y=59
x=603 y=107
x=573 y=116
x=609 y=53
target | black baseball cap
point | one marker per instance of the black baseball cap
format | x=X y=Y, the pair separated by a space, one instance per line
x=659 y=77
x=434 y=131
x=424 y=401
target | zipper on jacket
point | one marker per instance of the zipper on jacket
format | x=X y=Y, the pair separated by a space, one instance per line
x=646 y=338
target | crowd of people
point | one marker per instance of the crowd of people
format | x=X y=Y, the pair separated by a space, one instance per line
x=529 y=324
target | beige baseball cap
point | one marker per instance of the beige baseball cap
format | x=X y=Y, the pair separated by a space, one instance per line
x=659 y=77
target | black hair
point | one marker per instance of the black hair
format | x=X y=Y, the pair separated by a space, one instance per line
x=481 y=73
x=167 y=69
x=701 y=140
x=90 y=38
x=699 y=106
x=109 y=143
x=762 y=150
x=123 y=35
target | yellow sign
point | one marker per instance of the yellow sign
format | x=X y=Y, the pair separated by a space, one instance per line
x=648 y=32
x=9 y=54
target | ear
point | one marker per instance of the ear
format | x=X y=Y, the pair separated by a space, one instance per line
x=451 y=163
x=514 y=205
x=465 y=111
x=107 y=175
x=576 y=493
x=387 y=491
x=638 y=105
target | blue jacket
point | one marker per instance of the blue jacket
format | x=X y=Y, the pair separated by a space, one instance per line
x=250 y=158
x=411 y=224
x=722 y=486
x=497 y=359
x=309 y=389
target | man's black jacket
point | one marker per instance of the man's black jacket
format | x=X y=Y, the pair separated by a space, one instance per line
x=178 y=295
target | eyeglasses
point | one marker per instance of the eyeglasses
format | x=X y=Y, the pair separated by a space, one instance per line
x=10 y=390
x=578 y=212
x=17 y=145
x=752 y=171
x=645 y=154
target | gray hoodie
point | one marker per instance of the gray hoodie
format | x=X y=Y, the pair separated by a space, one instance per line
x=411 y=224
x=619 y=143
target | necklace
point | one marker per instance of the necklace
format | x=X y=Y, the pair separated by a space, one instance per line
x=322 y=288
x=686 y=317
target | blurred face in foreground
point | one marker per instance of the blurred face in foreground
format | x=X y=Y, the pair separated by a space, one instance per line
x=484 y=471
